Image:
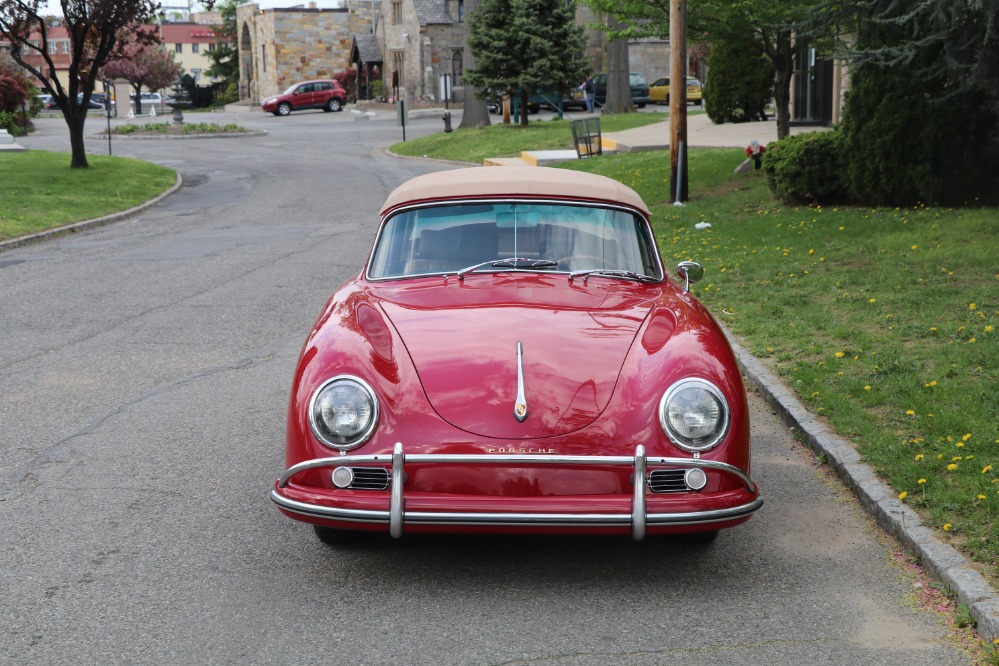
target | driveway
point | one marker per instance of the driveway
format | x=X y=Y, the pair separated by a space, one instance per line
x=144 y=376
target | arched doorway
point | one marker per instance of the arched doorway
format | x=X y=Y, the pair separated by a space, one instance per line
x=246 y=76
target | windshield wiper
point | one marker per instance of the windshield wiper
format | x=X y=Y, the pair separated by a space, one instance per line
x=611 y=272
x=512 y=262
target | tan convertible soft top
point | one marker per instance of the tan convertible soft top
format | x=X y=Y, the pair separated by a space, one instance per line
x=513 y=181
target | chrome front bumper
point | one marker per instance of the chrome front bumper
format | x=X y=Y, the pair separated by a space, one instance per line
x=397 y=516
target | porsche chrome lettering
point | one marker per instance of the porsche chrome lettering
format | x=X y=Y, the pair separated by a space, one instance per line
x=520 y=450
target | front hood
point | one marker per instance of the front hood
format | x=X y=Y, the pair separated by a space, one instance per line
x=462 y=338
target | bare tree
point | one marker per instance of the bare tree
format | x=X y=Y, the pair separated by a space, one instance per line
x=94 y=27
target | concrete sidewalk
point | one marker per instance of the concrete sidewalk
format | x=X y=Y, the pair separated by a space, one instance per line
x=701 y=133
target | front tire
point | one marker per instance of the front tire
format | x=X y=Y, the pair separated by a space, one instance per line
x=284 y=108
x=333 y=104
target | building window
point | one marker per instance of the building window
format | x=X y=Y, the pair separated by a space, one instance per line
x=456 y=68
x=396 y=12
x=53 y=47
x=263 y=58
x=194 y=48
x=178 y=48
x=196 y=73
x=211 y=47
x=461 y=11
x=65 y=46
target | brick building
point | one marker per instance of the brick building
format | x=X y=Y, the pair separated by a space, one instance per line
x=189 y=42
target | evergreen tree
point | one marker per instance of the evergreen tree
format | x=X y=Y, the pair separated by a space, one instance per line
x=526 y=47
x=224 y=57
x=741 y=82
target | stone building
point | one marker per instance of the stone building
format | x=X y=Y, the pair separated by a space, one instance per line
x=278 y=47
x=421 y=40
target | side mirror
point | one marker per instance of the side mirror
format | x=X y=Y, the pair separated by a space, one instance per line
x=691 y=272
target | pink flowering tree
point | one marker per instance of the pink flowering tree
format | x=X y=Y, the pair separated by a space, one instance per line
x=143 y=62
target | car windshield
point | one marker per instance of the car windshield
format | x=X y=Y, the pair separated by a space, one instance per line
x=514 y=236
x=290 y=89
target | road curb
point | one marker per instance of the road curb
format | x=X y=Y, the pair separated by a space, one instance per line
x=941 y=560
x=89 y=224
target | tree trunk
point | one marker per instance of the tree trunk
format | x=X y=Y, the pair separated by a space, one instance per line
x=784 y=68
x=475 y=112
x=618 y=98
x=75 y=119
x=524 y=108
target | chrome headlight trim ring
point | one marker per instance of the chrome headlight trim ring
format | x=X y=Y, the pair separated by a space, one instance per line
x=716 y=434
x=364 y=434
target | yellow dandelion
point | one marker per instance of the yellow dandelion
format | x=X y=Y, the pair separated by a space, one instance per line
x=921 y=481
x=921 y=456
x=947 y=527
x=839 y=354
x=910 y=412
x=902 y=495
x=951 y=467
x=986 y=469
x=981 y=497
x=959 y=444
x=972 y=306
x=915 y=247
x=872 y=300
x=966 y=437
x=988 y=329
x=930 y=384
x=971 y=341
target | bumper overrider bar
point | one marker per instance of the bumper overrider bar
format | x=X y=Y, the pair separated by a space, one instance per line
x=397 y=516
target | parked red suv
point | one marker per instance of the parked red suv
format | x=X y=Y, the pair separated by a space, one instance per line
x=325 y=94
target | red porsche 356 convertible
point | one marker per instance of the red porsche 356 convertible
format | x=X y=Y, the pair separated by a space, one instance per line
x=514 y=359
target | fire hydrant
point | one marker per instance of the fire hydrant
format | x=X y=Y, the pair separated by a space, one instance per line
x=447 y=121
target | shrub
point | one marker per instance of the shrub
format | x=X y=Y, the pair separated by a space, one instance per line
x=910 y=141
x=740 y=83
x=12 y=122
x=348 y=81
x=808 y=168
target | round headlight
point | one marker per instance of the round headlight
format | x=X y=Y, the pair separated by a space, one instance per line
x=343 y=413
x=694 y=415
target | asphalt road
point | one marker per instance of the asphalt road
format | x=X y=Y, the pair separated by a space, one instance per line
x=144 y=374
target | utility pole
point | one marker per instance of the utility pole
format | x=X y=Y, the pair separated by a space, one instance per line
x=678 y=101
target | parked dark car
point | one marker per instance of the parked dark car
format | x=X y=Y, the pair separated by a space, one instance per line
x=636 y=82
x=325 y=94
x=102 y=99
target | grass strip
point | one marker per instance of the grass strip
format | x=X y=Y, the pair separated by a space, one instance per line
x=40 y=191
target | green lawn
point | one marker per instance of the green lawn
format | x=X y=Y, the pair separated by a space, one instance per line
x=882 y=320
x=498 y=140
x=40 y=191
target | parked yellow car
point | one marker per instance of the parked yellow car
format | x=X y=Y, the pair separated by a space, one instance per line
x=659 y=91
